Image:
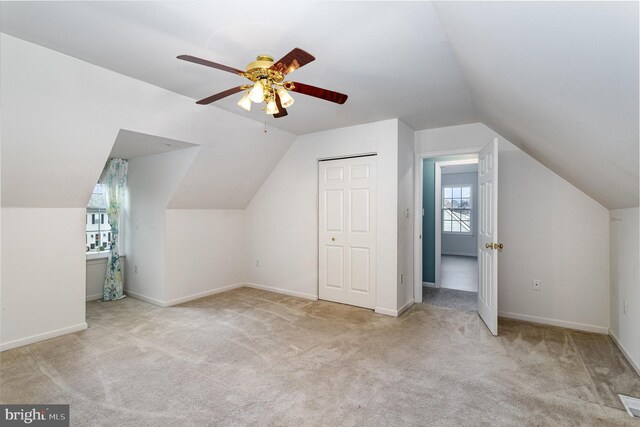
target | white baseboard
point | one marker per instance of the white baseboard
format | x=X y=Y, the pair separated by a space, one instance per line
x=184 y=299
x=394 y=313
x=406 y=306
x=41 y=337
x=145 y=298
x=624 y=351
x=199 y=295
x=386 y=311
x=94 y=297
x=282 y=291
x=555 y=322
x=429 y=284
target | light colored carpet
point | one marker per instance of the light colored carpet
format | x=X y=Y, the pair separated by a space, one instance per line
x=459 y=272
x=451 y=298
x=248 y=357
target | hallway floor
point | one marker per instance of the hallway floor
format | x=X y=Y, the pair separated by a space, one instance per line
x=250 y=357
x=459 y=272
x=451 y=298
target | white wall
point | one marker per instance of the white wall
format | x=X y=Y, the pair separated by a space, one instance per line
x=462 y=244
x=406 y=141
x=282 y=218
x=43 y=274
x=151 y=182
x=551 y=231
x=59 y=124
x=624 y=230
x=205 y=252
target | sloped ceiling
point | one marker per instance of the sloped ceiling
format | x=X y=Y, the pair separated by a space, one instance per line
x=61 y=120
x=391 y=58
x=558 y=79
x=129 y=145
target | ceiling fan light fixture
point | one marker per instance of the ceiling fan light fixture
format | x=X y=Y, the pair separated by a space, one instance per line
x=245 y=102
x=272 y=108
x=285 y=99
x=256 y=94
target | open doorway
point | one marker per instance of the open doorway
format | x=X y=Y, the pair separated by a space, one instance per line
x=429 y=216
x=450 y=251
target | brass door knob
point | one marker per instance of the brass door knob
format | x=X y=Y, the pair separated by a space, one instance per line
x=494 y=246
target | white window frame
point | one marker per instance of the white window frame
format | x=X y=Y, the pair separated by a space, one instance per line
x=458 y=233
x=97 y=214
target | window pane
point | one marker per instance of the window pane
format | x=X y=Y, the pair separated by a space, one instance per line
x=464 y=215
x=464 y=204
x=457 y=192
x=446 y=215
x=455 y=226
x=447 y=203
x=447 y=192
x=466 y=192
x=447 y=226
x=466 y=226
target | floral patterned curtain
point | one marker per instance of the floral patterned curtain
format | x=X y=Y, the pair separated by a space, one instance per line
x=114 y=178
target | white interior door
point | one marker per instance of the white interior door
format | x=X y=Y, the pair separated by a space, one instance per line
x=347 y=231
x=488 y=236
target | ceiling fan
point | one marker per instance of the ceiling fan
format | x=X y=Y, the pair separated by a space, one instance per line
x=268 y=84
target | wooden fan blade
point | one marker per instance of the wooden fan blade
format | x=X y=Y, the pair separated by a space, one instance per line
x=281 y=110
x=292 y=61
x=327 y=95
x=220 y=95
x=209 y=64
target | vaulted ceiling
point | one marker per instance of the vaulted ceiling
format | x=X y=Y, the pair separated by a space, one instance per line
x=560 y=80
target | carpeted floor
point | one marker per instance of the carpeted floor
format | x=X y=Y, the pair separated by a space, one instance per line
x=248 y=357
x=451 y=298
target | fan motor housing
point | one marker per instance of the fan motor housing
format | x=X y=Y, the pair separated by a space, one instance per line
x=262 y=61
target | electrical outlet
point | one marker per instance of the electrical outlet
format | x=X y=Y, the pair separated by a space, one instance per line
x=536 y=285
x=257 y=263
x=135 y=268
x=625 y=307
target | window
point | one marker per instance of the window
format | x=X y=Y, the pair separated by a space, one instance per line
x=456 y=209
x=98 y=229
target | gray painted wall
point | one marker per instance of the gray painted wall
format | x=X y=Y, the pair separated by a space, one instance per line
x=462 y=244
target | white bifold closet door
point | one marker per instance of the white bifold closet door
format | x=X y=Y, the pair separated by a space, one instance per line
x=347 y=231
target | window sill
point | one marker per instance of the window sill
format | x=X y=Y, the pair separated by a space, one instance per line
x=99 y=256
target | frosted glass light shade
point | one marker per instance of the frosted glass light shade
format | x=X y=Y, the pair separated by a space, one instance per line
x=272 y=108
x=257 y=93
x=285 y=99
x=245 y=102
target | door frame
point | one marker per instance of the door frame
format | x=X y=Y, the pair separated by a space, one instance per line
x=438 y=207
x=417 y=203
